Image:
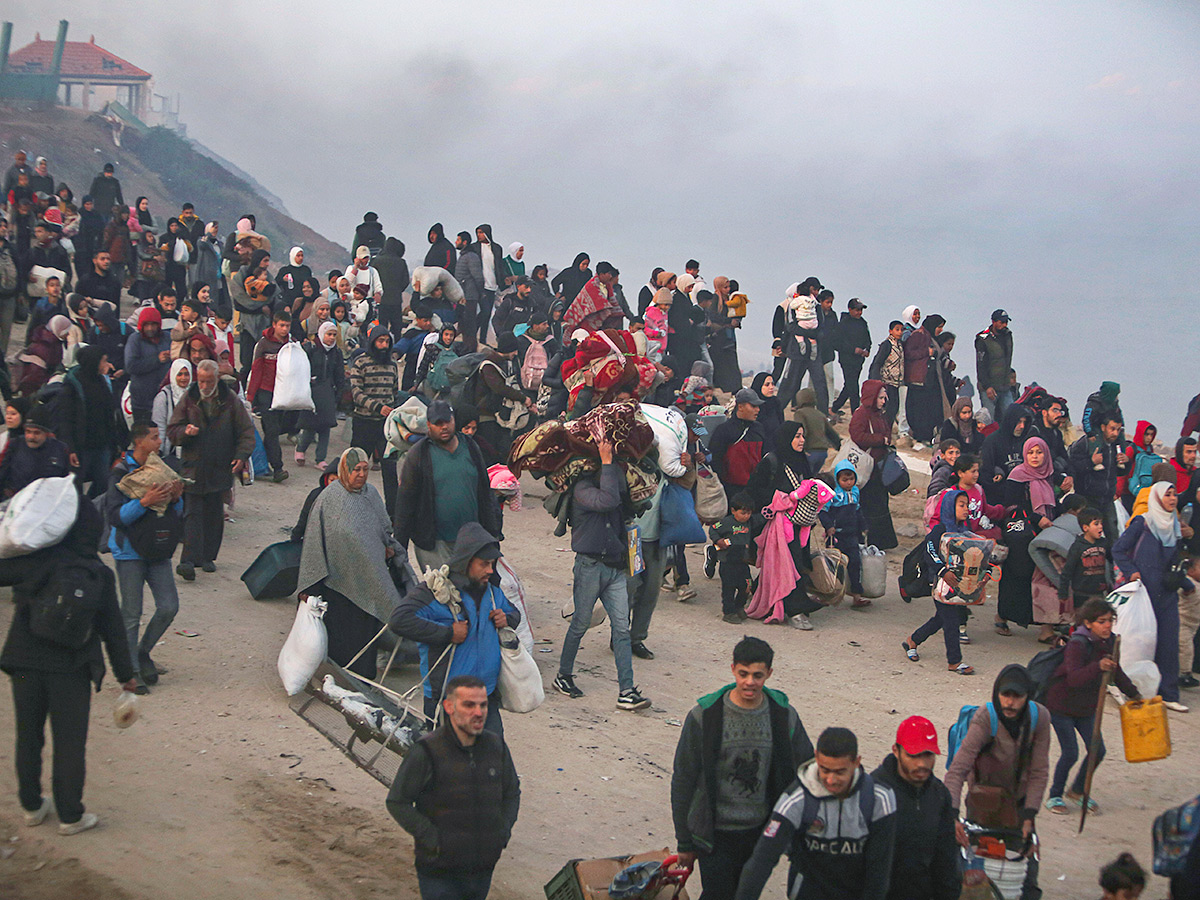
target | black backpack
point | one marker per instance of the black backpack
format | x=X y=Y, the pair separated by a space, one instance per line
x=64 y=610
x=1044 y=664
x=154 y=537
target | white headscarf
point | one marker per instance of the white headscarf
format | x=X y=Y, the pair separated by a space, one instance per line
x=907 y=316
x=1161 y=522
x=325 y=328
x=513 y=248
x=292 y=255
x=177 y=392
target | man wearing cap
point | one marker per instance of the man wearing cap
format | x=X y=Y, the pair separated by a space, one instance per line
x=458 y=795
x=925 y=862
x=38 y=455
x=737 y=443
x=362 y=272
x=854 y=346
x=435 y=624
x=444 y=485
x=993 y=362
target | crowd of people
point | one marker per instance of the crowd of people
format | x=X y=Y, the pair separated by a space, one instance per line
x=463 y=373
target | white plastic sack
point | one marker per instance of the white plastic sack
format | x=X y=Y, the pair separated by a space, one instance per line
x=426 y=278
x=520 y=681
x=1122 y=516
x=1144 y=675
x=863 y=464
x=38 y=276
x=305 y=647
x=599 y=614
x=39 y=516
x=293 y=379
x=874 y=571
x=180 y=253
x=127 y=406
x=670 y=437
x=511 y=585
x=1136 y=624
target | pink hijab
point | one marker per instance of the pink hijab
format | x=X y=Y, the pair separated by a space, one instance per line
x=1041 y=492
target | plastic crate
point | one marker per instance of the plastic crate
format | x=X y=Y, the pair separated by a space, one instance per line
x=564 y=885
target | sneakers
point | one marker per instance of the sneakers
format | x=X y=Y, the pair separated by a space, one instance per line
x=299 y=458
x=209 y=567
x=1175 y=706
x=279 y=475
x=186 y=571
x=565 y=685
x=86 y=821
x=801 y=622
x=686 y=593
x=710 y=561
x=38 y=816
x=632 y=700
x=641 y=651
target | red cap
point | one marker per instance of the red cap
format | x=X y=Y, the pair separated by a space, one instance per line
x=916 y=734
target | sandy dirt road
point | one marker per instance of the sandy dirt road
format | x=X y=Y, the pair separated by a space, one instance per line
x=221 y=791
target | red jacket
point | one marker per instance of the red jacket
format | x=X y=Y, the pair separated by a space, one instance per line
x=262 y=369
x=868 y=428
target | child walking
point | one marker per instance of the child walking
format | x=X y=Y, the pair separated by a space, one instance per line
x=845 y=523
x=1088 y=571
x=1072 y=696
x=731 y=538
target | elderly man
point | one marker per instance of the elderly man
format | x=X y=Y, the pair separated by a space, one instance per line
x=457 y=793
x=425 y=617
x=216 y=437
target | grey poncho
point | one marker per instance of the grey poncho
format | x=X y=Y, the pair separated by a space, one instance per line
x=344 y=545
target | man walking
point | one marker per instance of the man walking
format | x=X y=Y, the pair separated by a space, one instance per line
x=836 y=824
x=261 y=389
x=925 y=861
x=1007 y=746
x=147 y=362
x=458 y=795
x=444 y=485
x=598 y=537
x=211 y=427
x=100 y=283
x=374 y=384
x=853 y=346
x=993 y=362
x=124 y=513
x=1098 y=462
x=738 y=751
x=737 y=443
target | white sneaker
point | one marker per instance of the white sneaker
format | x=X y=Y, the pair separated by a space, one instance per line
x=801 y=622
x=88 y=820
x=38 y=816
x=1175 y=706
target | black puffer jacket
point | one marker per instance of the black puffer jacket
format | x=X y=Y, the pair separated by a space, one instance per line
x=925 y=864
x=393 y=272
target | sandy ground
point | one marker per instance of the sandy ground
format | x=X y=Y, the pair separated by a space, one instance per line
x=221 y=791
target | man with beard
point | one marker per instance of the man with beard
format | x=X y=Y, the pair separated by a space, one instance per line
x=100 y=283
x=444 y=485
x=441 y=252
x=1048 y=415
x=374 y=383
x=495 y=273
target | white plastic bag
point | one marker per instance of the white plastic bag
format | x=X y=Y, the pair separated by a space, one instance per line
x=520 y=683
x=127 y=406
x=1122 y=516
x=293 y=379
x=180 y=254
x=670 y=437
x=40 y=515
x=1136 y=624
x=511 y=585
x=874 y=571
x=862 y=461
x=305 y=647
x=1144 y=675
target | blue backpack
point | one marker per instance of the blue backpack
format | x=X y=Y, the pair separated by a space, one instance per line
x=958 y=731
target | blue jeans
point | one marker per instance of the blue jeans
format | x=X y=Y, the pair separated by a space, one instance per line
x=594 y=580
x=946 y=618
x=816 y=459
x=1065 y=727
x=307 y=435
x=447 y=886
x=132 y=576
x=1004 y=399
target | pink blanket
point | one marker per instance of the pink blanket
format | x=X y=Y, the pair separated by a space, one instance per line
x=778 y=575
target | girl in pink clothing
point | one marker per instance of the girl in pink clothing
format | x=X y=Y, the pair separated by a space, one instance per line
x=657 y=329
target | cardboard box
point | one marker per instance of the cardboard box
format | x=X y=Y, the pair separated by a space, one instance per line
x=593 y=876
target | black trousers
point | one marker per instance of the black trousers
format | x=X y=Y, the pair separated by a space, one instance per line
x=367 y=434
x=851 y=370
x=892 y=408
x=735 y=585
x=272 y=426
x=203 y=527
x=486 y=303
x=246 y=353
x=66 y=697
x=721 y=869
x=349 y=628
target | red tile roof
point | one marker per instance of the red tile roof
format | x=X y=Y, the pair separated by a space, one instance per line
x=80 y=60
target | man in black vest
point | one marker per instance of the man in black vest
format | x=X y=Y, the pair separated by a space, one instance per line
x=457 y=794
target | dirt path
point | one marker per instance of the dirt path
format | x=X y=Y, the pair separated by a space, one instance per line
x=221 y=791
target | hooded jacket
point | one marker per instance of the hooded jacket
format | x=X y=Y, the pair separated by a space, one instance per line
x=1075 y=684
x=499 y=269
x=993 y=358
x=422 y=618
x=1105 y=400
x=374 y=380
x=840 y=854
x=146 y=371
x=852 y=334
x=868 y=428
x=818 y=433
x=694 y=786
x=1003 y=451
x=441 y=252
x=1020 y=762
x=393 y=272
x=369 y=233
x=469 y=273
x=416 y=503
x=925 y=862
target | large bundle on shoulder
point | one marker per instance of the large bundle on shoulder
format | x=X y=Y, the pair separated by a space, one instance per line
x=427 y=279
x=38 y=516
x=608 y=362
x=404 y=426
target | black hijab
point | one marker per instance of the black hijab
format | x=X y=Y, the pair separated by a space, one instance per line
x=796 y=460
x=770 y=414
x=144 y=218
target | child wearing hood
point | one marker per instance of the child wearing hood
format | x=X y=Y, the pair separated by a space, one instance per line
x=846 y=525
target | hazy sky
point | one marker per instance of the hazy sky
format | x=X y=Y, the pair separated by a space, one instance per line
x=1038 y=156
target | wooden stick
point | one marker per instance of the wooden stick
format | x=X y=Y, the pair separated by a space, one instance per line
x=1094 y=746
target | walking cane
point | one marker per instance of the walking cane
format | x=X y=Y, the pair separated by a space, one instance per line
x=1094 y=746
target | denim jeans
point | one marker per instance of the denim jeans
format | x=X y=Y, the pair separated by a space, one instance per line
x=308 y=435
x=132 y=576
x=594 y=580
x=1065 y=727
x=816 y=459
x=450 y=886
x=644 y=589
x=1004 y=399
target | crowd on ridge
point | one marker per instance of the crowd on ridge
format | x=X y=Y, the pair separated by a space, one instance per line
x=459 y=375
